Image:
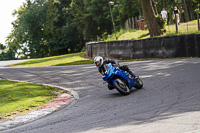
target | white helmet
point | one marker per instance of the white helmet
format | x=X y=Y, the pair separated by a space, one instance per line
x=98 y=61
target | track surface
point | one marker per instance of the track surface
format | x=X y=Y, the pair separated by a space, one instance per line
x=169 y=102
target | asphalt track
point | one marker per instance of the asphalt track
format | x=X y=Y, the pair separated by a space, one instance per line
x=169 y=102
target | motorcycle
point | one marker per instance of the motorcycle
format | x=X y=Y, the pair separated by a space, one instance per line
x=121 y=80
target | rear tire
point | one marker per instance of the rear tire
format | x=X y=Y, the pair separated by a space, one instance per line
x=121 y=87
x=138 y=83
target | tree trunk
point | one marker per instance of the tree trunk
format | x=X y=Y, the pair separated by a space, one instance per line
x=191 y=10
x=154 y=7
x=198 y=20
x=180 y=15
x=149 y=15
x=185 y=11
x=163 y=4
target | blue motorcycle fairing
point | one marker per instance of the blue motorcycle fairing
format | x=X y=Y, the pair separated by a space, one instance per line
x=112 y=73
x=109 y=72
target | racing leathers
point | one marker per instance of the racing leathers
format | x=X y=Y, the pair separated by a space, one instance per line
x=114 y=63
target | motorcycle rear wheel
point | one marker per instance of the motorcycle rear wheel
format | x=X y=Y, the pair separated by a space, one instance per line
x=121 y=87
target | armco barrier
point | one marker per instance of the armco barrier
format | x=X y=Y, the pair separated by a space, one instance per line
x=157 y=47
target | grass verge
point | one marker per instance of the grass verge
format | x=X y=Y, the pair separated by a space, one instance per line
x=68 y=59
x=184 y=28
x=18 y=98
x=71 y=59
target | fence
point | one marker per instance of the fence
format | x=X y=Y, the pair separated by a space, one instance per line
x=136 y=22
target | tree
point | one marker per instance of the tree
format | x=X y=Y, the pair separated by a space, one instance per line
x=44 y=28
x=5 y=53
x=127 y=9
x=185 y=11
x=154 y=7
x=163 y=3
x=27 y=35
x=97 y=18
x=191 y=9
x=150 y=18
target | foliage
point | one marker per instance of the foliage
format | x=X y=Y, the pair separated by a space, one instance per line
x=129 y=8
x=124 y=9
x=5 y=53
x=43 y=29
x=161 y=21
x=27 y=37
x=54 y=27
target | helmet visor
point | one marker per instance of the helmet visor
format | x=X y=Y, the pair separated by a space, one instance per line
x=97 y=63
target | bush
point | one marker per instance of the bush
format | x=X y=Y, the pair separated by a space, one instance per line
x=7 y=55
x=161 y=21
x=83 y=49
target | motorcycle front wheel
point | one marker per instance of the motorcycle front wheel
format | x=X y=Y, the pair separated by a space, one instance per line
x=121 y=87
x=138 y=83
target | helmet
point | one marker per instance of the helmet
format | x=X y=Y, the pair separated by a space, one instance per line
x=98 y=61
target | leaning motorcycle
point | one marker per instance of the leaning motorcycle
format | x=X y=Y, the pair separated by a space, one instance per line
x=121 y=80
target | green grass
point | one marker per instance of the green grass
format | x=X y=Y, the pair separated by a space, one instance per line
x=20 y=97
x=184 y=28
x=68 y=59
x=129 y=35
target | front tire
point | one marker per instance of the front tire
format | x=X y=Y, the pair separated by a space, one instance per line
x=138 y=83
x=121 y=87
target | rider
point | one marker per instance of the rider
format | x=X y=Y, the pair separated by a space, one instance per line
x=101 y=64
